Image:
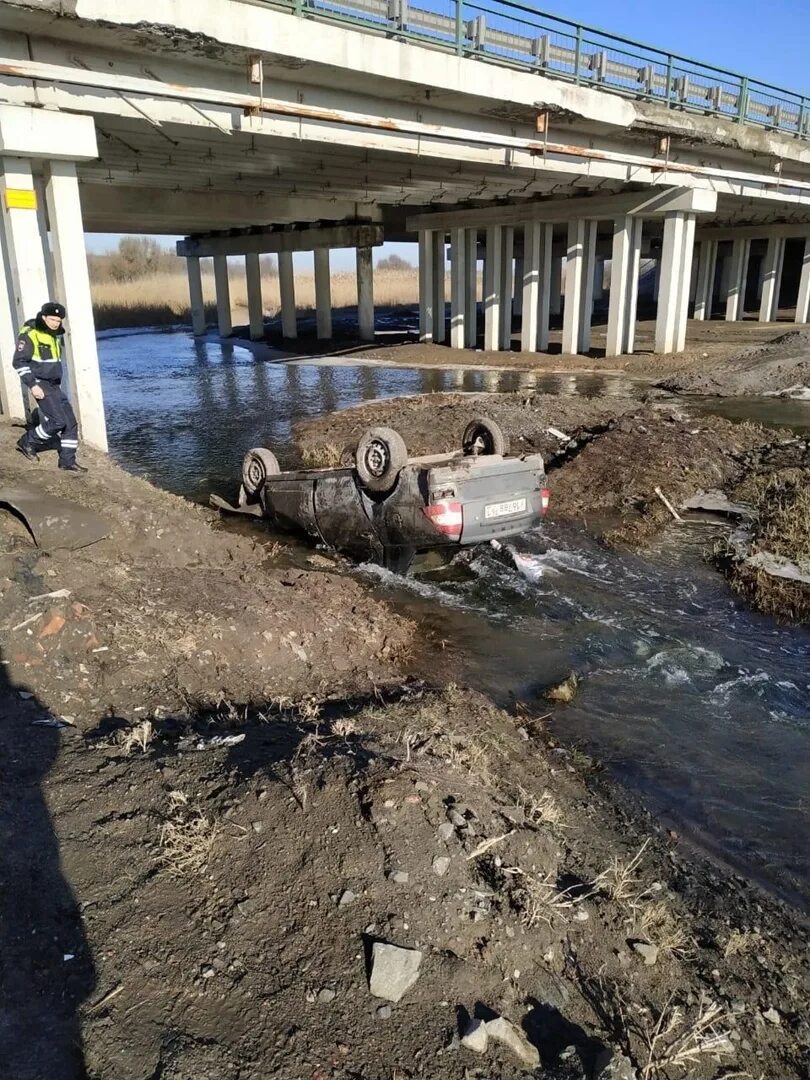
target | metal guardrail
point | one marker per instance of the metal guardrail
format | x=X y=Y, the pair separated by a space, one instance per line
x=518 y=36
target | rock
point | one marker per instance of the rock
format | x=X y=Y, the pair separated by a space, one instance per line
x=441 y=864
x=504 y=1032
x=475 y=1037
x=326 y=995
x=55 y=623
x=611 y=1065
x=647 y=951
x=565 y=691
x=569 y=1065
x=457 y=819
x=772 y=1016
x=346 y=897
x=446 y=831
x=384 y=1012
x=393 y=970
x=581 y=915
x=399 y=876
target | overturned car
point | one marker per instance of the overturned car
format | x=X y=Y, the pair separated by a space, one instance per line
x=388 y=507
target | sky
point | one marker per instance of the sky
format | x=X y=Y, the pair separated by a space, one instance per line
x=766 y=41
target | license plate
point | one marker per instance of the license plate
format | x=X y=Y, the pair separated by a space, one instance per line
x=504 y=509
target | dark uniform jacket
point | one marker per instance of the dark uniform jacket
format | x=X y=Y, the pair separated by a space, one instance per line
x=38 y=355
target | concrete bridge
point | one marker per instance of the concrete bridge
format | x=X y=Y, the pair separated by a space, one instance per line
x=529 y=142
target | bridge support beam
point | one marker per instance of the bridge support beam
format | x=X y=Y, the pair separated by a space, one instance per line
x=738 y=278
x=223 y=291
x=675 y=275
x=536 y=285
x=555 y=290
x=507 y=281
x=323 y=294
x=365 y=294
x=624 y=271
x=803 y=302
x=471 y=289
x=195 y=295
x=427 y=294
x=286 y=288
x=579 y=278
x=439 y=288
x=253 y=277
x=704 y=294
x=492 y=288
x=458 y=288
x=772 y=281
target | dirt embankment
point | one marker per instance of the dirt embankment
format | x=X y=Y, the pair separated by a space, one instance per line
x=779 y=366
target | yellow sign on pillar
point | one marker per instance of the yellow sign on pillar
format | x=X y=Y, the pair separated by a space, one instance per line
x=21 y=199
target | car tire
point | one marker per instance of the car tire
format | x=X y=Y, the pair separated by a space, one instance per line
x=484 y=436
x=257 y=465
x=379 y=458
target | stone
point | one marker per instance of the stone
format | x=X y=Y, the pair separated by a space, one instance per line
x=565 y=691
x=384 y=1012
x=475 y=1037
x=647 y=951
x=441 y=864
x=446 y=831
x=394 y=970
x=581 y=915
x=457 y=819
x=326 y=995
x=504 y=1032
x=611 y=1065
x=772 y=1016
x=346 y=897
x=400 y=877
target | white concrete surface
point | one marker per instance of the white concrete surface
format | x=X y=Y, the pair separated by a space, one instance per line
x=253 y=278
x=195 y=295
x=622 y=304
x=673 y=297
x=323 y=294
x=492 y=288
x=439 y=287
x=458 y=288
x=506 y=287
x=427 y=294
x=704 y=292
x=579 y=275
x=738 y=278
x=772 y=280
x=365 y=294
x=286 y=287
x=471 y=289
x=223 y=293
x=803 y=303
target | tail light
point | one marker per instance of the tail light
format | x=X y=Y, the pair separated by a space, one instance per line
x=446 y=518
x=545 y=494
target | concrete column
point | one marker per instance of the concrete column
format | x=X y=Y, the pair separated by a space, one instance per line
x=506 y=286
x=427 y=294
x=579 y=275
x=492 y=288
x=738 y=276
x=439 y=302
x=323 y=294
x=657 y=278
x=458 y=288
x=555 y=285
x=803 y=302
x=73 y=283
x=286 y=289
x=11 y=398
x=599 y=279
x=471 y=289
x=624 y=271
x=365 y=294
x=195 y=295
x=517 y=301
x=29 y=281
x=536 y=285
x=772 y=282
x=253 y=277
x=705 y=280
x=223 y=291
x=676 y=269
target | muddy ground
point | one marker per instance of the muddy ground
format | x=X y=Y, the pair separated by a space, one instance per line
x=245 y=794
x=778 y=366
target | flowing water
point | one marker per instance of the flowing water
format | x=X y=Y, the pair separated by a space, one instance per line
x=690 y=698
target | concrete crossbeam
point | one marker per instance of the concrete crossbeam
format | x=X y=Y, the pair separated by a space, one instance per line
x=803 y=302
x=579 y=276
x=365 y=294
x=223 y=293
x=676 y=269
x=753 y=232
x=772 y=279
x=73 y=284
x=340 y=236
x=704 y=292
x=286 y=287
x=195 y=296
x=738 y=278
x=38 y=133
x=323 y=294
x=622 y=305
x=253 y=278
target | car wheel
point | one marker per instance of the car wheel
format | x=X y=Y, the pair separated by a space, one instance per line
x=379 y=458
x=484 y=436
x=257 y=465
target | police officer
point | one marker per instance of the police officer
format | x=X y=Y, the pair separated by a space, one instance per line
x=38 y=361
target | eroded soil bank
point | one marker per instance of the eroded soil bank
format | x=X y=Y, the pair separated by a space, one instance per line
x=249 y=795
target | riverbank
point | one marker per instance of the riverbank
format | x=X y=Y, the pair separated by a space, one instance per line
x=248 y=793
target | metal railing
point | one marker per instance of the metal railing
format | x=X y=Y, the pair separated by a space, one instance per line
x=518 y=36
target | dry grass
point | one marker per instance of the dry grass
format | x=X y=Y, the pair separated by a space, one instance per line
x=620 y=880
x=138 y=737
x=323 y=456
x=741 y=942
x=540 y=810
x=162 y=299
x=539 y=899
x=186 y=838
x=676 y=1041
x=657 y=923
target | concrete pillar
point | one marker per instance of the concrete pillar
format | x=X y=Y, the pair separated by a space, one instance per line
x=29 y=281
x=579 y=275
x=253 y=277
x=536 y=285
x=195 y=295
x=738 y=276
x=803 y=302
x=555 y=285
x=517 y=301
x=427 y=294
x=492 y=288
x=772 y=282
x=458 y=288
x=704 y=292
x=676 y=269
x=11 y=398
x=506 y=286
x=73 y=283
x=323 y=294
x=223 y=291
x=624 y=271
x=599 y=279
x=471 y=289
x=365 y=294
x=286 y=289
x=439 y=302
x=656 y=278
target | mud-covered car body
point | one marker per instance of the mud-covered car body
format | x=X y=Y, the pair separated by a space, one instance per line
x=444 y=500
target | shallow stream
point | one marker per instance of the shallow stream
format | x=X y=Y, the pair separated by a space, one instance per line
x=690 y=698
